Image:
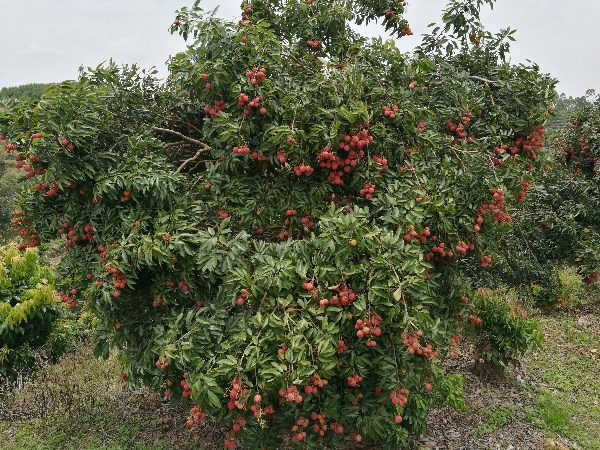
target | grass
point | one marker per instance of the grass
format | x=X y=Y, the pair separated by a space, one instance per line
x=54 y=432
x=566 y=377
x=81 y=403
x=550 y=414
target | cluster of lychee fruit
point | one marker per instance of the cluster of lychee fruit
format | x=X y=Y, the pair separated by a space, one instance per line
x=496 y=207
x=314 y=383
x=354 y=379
x=411 y=341
x=369 y=327
x=298 y=430
x=242 y=298
x=163 y=363
x=187 y=390
x=256 y=76
x=399 y=397
x=214 y=111
x=289 y=394
x=367 y=191
x=303 y=169
x=390 y=112
x=196 y=416
x=236 y=395
x=382 y=161
x=30 y=239
x=485 y=260
x=525 y=185
x=119 y=279
x=70 y=301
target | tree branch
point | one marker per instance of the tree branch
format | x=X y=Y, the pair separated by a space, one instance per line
x=474 y=77
x=172 y=144
x=193 y=158
x=205 y=148
x=192 y=126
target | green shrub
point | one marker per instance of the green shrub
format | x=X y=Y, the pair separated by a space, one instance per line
x=28 y=308
x=507 y=333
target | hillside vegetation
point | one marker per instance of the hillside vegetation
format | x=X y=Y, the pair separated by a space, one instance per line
x=24 y=91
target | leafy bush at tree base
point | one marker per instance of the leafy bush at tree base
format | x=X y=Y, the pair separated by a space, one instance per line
x=28 y=308
x=508 y=332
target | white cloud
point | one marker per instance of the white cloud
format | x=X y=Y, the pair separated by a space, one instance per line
x=39 y=50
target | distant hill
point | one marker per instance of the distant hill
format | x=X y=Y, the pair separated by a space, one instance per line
x=24 y=92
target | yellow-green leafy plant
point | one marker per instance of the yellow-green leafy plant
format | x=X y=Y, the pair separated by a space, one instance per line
x=28 y=307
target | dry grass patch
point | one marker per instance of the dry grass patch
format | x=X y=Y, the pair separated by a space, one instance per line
x=81 y=403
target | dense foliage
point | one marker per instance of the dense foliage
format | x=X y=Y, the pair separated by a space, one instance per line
x=579 y=151
x=28 y=307
x=557 y=223
x=287 y=234
x=579 y=144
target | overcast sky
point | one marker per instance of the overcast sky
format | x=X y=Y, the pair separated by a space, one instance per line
x=48 y=40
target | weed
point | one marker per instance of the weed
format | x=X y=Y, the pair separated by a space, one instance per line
x=493 y=419
x=573 y=291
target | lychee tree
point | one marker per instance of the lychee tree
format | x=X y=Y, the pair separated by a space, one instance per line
x=280 y=234
x=578 y=150
x=579 y=142
x=557 y=222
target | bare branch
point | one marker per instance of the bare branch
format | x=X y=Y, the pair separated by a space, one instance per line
x=474 y=77
x=172 y=144
x=205 y=148
x=198 y=163
x=193 y=158
x=193 y=127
